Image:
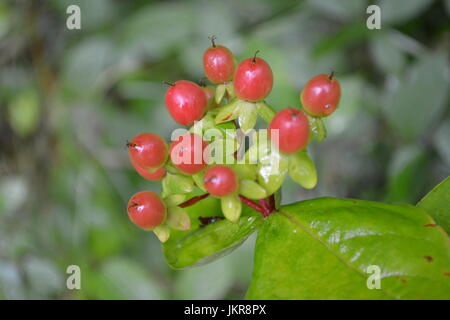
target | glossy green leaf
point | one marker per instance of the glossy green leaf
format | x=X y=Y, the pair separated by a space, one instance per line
x=437 y=204
x=202 y=245
x=323 y=248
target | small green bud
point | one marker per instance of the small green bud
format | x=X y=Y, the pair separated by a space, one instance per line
x=252 y=190
x=178 y=219
x=162 y=232
x=302 y=170
x=231 y=207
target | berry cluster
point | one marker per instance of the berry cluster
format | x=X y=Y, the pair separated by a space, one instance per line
x=211 y=158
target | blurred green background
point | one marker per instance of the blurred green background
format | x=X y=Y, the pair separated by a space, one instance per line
x=69 y=100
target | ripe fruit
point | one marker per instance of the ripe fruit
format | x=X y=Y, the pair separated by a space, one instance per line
x=186 y=102
x=220 y=181
x=187 y=153
x=293 y=130
x=320 y=96
x=148 y=150
x=151 y=174
x=218 y=63
x=146 y=210
x=253 y=79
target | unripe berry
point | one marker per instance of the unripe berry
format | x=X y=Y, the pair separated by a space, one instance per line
x=253 y=80
x=152 y=175
x=187 y=153
x=218 y=63
x=148 y=150
x=320 y=96
x=146 y=210
x=186 y=102
x=220 y=181
x=293 y=130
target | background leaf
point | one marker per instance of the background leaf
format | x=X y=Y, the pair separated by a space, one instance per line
x=320 y=249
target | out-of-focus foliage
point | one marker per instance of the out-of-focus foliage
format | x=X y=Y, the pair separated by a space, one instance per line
x=69 y=100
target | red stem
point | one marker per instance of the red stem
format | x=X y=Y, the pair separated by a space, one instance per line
x=252 y=205
x=193 y=200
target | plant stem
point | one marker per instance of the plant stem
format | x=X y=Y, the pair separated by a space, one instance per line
x=193 y=200
x=253 y=205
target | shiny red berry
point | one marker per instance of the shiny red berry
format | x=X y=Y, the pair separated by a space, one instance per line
x=253 y=80
x=220 y=181
x=320 y=96
x=218 y=63
x=293 y=130
x=187 y=153
x=186 y=102
x=148 y=150
x=149 y=174
x=146 y=210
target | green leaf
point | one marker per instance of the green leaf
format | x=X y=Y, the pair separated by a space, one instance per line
x=206 y=244
x=303 y=170
x=321 y=249
x=404 y=105
x=437 y=204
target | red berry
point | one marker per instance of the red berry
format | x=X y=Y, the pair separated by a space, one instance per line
x=151 y=175
x=146 y=210
x=187 y=153
x=293 y=130
x=148 y=150
x=253 y=80
x=218 y=63
x=220 y=181
x=320 y=96
x=186 y=102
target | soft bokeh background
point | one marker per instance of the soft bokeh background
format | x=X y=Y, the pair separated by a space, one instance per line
x=69 y=100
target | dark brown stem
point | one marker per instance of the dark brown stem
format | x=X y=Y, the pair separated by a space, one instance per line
x=169 y=83
x=254 y=57
x=131 y=144
x=213 y=38
x=193 y=200
x=331 y=76
x=252 y=205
